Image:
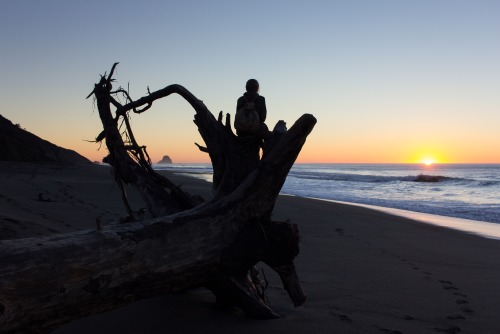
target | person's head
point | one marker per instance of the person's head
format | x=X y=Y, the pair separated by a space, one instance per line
x=252 y=86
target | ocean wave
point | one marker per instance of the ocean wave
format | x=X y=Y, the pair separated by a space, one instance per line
x=454 y=208
x=322 y=175
x=375 y=178
x=488 y=183
x=185 y=168
x=465 y=191
x=432 y=178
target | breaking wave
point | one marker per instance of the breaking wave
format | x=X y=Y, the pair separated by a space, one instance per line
x=376 y=178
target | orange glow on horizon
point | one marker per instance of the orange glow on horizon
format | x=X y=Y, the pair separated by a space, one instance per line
x=315 y=151
x=311 y=156
x=429 y=156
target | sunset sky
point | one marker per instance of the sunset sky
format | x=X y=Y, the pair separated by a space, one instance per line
x=389 y=81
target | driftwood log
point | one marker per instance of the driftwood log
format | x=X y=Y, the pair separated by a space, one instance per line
x=185 y=242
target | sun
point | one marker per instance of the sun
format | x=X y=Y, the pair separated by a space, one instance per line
x=428 y=161
x=428 y=157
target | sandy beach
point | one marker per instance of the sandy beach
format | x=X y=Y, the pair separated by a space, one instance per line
x=364 y=271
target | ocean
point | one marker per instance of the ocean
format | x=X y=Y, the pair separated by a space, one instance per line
x=465 y=191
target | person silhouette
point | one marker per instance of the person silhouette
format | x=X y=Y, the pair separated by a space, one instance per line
x=252 y=96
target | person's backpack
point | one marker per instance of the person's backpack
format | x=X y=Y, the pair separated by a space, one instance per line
x=246 y=120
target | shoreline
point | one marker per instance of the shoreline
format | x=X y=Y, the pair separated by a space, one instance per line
x=481 y=228
x=476 y=227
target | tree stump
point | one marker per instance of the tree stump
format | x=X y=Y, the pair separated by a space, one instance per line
x=186 y=242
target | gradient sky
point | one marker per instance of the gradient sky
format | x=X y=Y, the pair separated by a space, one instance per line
x=388 y=81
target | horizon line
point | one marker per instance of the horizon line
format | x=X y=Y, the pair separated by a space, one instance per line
x=367 y=163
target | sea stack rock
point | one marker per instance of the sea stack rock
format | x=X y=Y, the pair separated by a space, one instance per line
x=165 y=160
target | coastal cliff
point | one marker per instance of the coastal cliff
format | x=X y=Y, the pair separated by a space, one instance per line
x=19 y=145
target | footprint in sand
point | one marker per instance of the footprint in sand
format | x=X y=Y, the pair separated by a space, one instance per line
x=342 y=317
x=386 y=330
x=456 y=317
x=345 y=318
x=448 y=285
x=467 y=310
x=451 y=329
x=381 y=249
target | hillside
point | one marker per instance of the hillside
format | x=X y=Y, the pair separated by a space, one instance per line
x=20 y=145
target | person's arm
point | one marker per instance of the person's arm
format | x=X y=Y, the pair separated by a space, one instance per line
x=263 y=110
x=240 y=103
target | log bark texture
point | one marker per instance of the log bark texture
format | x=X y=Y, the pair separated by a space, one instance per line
x=186 y=242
